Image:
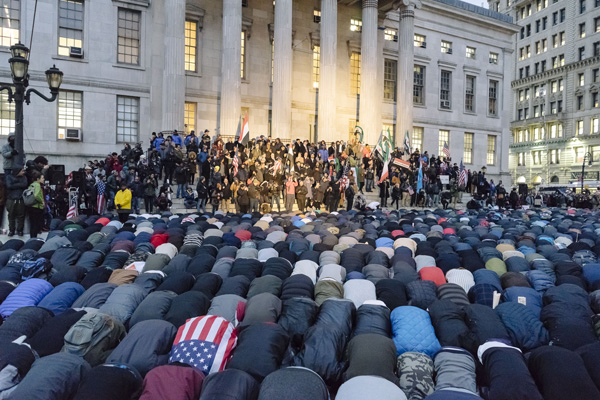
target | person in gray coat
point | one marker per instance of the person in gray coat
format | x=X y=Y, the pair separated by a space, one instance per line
x=8 y=153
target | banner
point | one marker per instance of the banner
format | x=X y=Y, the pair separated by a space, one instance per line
x=401 y=163
x=445 y=179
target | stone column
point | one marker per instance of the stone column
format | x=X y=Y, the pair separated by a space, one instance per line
x=370 y=95
x=327 y=84
x=173 y=93
x=405 y=77
x=231 y=67
x=282 y=70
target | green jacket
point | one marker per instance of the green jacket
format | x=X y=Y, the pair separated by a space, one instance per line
x=39 y=195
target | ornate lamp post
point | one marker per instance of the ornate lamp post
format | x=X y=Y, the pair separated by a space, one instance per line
x=19 y=67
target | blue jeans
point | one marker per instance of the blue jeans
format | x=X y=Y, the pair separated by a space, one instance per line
x=180 y=190
x=135 y=205
x=369 y=185
x=201 y=206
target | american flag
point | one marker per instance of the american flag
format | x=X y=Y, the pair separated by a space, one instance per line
x=236 y=164
x=72 y=213
x=446 y=150
x=101 y=188
x=205 y=343
x=462 y=176
x=277 y=166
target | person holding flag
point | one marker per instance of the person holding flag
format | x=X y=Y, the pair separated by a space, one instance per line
x=384 y=151
x=407 y=144
x=243 y=132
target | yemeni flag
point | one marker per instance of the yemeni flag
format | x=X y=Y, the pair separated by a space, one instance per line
x=244 y=136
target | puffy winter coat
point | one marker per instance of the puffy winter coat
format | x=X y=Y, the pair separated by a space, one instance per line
x=413 y=331
x=62 y=297
x=524 y=327
x=28 y=293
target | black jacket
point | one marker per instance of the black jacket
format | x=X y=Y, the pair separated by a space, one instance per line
x=15 y=185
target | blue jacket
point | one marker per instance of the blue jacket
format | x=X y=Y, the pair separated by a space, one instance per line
x=28 y=293
x=177 y=140
x=62 y=297
x=157 y=143
x=524 y=327
x=413 y=331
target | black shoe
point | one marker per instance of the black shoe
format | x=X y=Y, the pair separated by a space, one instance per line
x=11 y=234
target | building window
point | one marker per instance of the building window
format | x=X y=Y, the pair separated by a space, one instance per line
x=579 y=128
x=444 y=137
x=581 y=79
x=521 y=162
x=189 y=117
x=581 y=52
x=526 y=113
x=10 y=22
x=191 y=43
x=493 y=98
x=355 y=25
x=491 y=150
x=579 y=103
x=595 y=100
x=445 y=87
x=556 y=131
x=70 y=111
x=446 y=47
x=317 y=16
x=544 y=45
x=470 y=94
x=391 y=34
x=470 y=52
x=597 y=24
x=355 y=73
x=243 y=71
x=595 y=75
x=128 y=42
x=493 y=58
x=554 y=156
x=390 y=70
x=419 y=85
x=420 y=41
x=316 y=66
x=582 y=30
x=582 y=6
x=7 y=115
x=596 y=49
x=544 y=23
x=468 y=153
x=537 y=157
x=416 y=141
x=578 y=154
x=553 y=109
x=70 y=26
x=594 y=126
x=128 y=119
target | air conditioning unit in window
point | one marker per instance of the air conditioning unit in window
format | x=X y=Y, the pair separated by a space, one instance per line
x=449 y=51
x=423 y=45
x=493 y=61
x=445 y=103
x=73 y=134
x=76 y=52
x=317 y=19
x=395 y=38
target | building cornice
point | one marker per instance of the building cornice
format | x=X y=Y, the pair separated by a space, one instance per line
x=555 y=72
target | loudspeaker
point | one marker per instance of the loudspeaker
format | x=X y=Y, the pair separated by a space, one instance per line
x=78 y=178
x=523 y=189
x=56 y=174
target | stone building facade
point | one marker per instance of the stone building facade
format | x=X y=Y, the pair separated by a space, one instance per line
x=555 y=113
x=309 y=69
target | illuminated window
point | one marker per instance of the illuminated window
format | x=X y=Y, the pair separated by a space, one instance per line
x=491 y=150
x=556 y=131
x=493 y=58
x=416 y=141
x=355 y=25
x=420 y=41
x=191 y=43
x=315 y=66
x=7 y=114
x=317 y=16
x=243 y=71
x=522 y=159
x=128 y=119
x=579 y=128
x=10 y=22
x=390 y=70
x=70 y=26
x=537 y=157
x=578 y=154
x=470 y=94
x=446 y=47
x=355 y=73
x=554 y=156
x=189 y=117
x=471 y=52
x=128 y=41
x=468 y=153
x=444 y=137
x=70 y=111
x=594 y=126
x=595 y=100
x=419 y=85
x=581 y=79
x=390 y=34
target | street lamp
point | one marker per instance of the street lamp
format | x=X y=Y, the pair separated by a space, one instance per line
x=19 y=68
x=589 y=158
x=484 y=169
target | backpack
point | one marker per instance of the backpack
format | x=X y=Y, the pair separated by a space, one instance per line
x=35 y=268
x=29 y=196
x=94 y=337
